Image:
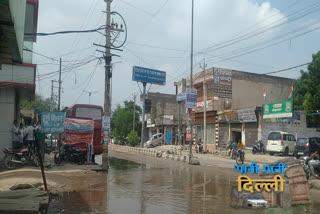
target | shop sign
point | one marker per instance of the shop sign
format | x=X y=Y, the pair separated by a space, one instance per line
x=277 y=110
x=247 y=115
x=232 y=117
x=222 y=83
x=167 y=119
x=191 y=98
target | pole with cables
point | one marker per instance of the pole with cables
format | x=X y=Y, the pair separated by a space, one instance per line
x=203 y=67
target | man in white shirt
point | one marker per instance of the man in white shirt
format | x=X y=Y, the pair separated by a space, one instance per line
x=15 y=136
x=29 y=133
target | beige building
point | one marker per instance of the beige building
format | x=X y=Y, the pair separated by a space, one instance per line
x=234 y=101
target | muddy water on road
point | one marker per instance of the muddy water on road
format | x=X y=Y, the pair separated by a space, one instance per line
x=165 y=188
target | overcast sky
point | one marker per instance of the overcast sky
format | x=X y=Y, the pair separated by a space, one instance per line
x=245 y=35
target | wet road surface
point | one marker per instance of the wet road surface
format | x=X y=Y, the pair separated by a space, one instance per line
x=140 y=184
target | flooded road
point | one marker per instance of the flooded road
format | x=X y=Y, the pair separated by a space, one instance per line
x=148 y=185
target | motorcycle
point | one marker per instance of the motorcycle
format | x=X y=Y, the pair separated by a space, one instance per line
x=71 y=153
x=240 y=157
x=24 y=156
x=259 y=148
x=307 y=170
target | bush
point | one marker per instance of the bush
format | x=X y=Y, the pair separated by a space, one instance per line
x=133 y=138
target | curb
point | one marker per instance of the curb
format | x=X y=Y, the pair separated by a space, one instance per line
x=147 y=152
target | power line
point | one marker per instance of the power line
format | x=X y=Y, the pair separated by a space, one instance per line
x=67 y=32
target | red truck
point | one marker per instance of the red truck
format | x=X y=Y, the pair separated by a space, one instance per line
x=92 y=112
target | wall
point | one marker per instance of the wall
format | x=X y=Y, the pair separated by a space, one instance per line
x=7 y=111
x=18 y=11
x=17 y=74
x=247 y=89
x=223 y=135
x=303 y=131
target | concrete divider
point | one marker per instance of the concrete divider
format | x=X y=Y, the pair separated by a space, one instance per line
x=147 y=152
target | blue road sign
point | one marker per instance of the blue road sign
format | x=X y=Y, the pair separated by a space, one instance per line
x=148 y=75
x=52 y=122
x=191 y=98
x=181 y=97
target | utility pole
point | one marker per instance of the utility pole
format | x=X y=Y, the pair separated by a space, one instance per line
x=203 y=66
x=59 y=102
x=134 y=113
x=191 y=82
x=90 y=93
x=143 y=113
x=51 y=106
x=107 y=100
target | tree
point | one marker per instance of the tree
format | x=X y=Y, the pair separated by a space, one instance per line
x=122 y=121
x=40 y=103
x=307 y=91
x=133 y=138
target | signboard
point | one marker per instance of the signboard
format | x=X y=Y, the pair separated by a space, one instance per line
x=277 y=110
x=209 y=106
x=167 y=119
x=191 y=98
x=181 y=97
x=148 y=75
x=286 y=120
x=247 y=116
x=105 y=123
x=149 y=124
x=52 y=122
x=222 y=83
x=78 y=131
x=232 y=117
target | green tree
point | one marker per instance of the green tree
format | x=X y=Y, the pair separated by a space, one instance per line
x=40 y=103
x=121 y=122
x=307 y=91
x=133 y=138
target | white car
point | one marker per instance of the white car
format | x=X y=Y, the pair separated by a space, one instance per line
x=156 y=140
x=50 y=142
x=255 y=201
x=281 y=142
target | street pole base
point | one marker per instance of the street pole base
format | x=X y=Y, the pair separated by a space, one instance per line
x=194 y=161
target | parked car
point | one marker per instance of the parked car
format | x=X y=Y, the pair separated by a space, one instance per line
x=306 y=146
x=156 y=140
x=281 y=142
x=248 y=200
x=50 y=142
x=255 y=201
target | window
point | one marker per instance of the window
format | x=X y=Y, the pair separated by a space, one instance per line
x=92 y=113
x=155 y=137
x=293 y=138
x=286 y=137
x=274 y=136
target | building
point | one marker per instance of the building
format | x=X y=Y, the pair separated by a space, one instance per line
x=17 y=73
x=234 y=102
x=162 y=116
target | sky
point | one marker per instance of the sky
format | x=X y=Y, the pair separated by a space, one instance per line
x=247 y=35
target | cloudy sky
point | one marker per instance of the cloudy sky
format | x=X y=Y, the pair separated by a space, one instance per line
x=247 y=35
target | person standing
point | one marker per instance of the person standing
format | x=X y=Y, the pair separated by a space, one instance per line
x=15 y=136
x=29 y=134
x=21 y=135
x=40 y=139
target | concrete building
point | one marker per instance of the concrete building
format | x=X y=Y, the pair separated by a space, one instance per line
x=234 y=105
x=17 y=73
x=162 y=115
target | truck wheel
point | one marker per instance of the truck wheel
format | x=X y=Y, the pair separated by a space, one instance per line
x=286 y=151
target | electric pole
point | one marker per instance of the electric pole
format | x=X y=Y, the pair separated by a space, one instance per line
x=51 y=106
x=107 y=100
x=59 y=102
x=191 y=82
x=90 y=93
x=203 y=66
x=134 y=113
